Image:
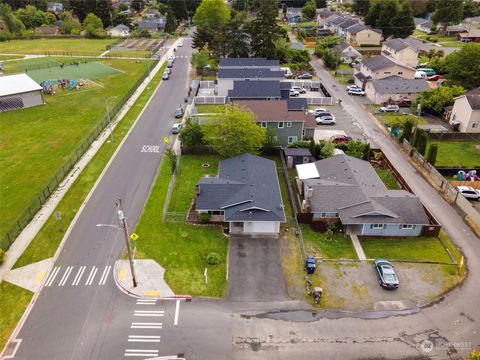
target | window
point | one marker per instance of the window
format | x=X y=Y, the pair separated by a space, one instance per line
x=292 y=139
x=263 y=124
x=304 y=132
x=475 y=125
x=329 y=215
x=215 y=212
x=281 y=125
x=377 y=226
x=387 y=72
x=400 y=72
x=289 y=124
x=407 y=227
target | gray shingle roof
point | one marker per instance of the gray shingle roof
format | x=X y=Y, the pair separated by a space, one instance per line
x=337 y=20
x=297 y=104
x=246 y=189
x=473 y=98
x=255 y=89
x=396 y=44
x=380 y=62
x=256 y=73
x=297 y=152
x=153 y=24
x=347 y=23
x=398 y=85
x=248 y=62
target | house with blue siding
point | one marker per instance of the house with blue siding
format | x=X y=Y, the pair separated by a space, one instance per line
x=348 y=190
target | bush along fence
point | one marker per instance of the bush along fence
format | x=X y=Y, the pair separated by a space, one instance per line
x=9 y=237
x=448 y=191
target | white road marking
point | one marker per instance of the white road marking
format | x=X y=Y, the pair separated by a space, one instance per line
x=143 y=338
x=148 y=325
x=141 y=353
x=149 y=313
x=146 y=302
x=177 y=310
x=52 y=276
x=104 y=277
x=79 y=275
x=93 y=272
x=65 y=276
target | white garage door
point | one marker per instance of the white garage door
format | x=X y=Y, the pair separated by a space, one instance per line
x=262 y=227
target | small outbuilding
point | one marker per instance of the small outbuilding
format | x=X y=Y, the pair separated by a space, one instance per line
x=296 y=156
x=19 y=91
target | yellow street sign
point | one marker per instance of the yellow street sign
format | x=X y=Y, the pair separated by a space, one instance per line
x=165 y=139
x=134 y=236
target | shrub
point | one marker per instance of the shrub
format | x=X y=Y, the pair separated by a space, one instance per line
x=432 y=154
x=204 y=217
x=422 y=143
x=172 y=157
x=329 y=234
x=2 y=256
x=213 y=258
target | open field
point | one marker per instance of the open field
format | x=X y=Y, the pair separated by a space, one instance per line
x=181 y=248
x=130 y=54
x=457 y=153
x=394 y=119
x=10 y=57
x=57 y=46
x=36 y=142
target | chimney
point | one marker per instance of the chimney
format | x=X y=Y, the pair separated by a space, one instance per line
x=197 y=190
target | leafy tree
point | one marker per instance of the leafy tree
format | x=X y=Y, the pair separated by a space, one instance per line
x=321 y=4
x=309 y=10
x=81 y=8
x=200 y=59
x=448 y=12
x=122 y=6
x=422 y=143
x=356 y=148
x=13 y=26
x=70 y=24
x=311 y=146
x=93 y=26
x=144 y=33
x=436 y=99
x=374 y=13
x=271 y=142
x=419 y=7
x=179 y=9
x=470 y=9
x=236 y=36
x=463 y=67
x=331 y=58
x=416 y=136
x=103 y=9
x=390 y=9
x=402 y=25
x=407 y=131
x=191 y=135
x=31 y=17
x=239 y=5
x=172 y=158
x=235 y=132
x=137 y=5
x=192 y=6
x=50 y=18
x=264 y=30
x=124 y=19
x=170 y=22
x=212 y=14
x=432 y=154
x=328 y=42
x=361 y=7
x=327 y=149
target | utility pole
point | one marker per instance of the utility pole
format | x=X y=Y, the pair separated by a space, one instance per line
x=123 y=223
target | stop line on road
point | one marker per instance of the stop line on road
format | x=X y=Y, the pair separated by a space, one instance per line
x=78 y=276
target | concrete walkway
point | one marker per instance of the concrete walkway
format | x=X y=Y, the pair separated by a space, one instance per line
x=358 y=247
x=30 y=276
x=149 y=275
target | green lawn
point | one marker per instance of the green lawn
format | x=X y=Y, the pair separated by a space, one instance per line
x=388 y=178
x=181 y=248
x=56 y=46
x=208 y=109
x=338 y=247
x=14 y=300
x=453 y=44
x=189 y=173
x=394 y=119
x=36 y=142
x=457 y=153
x=415 y=249
x=10 y=57
x=132 y=53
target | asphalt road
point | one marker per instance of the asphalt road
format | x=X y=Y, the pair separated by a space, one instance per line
x=77 y=316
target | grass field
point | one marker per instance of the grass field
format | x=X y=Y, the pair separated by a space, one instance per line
x=57 y=46
x=10 y=57
x=208 y=108
x=181 y=248
x=36 y=142
x=457 y=153
x=394 y=119
x=316 y=244
x=89 y=70
x=132 y=53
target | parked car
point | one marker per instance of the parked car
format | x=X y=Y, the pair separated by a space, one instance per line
x=390 y=108
x=435 y=78
x=337 y=139
x=165 y=75
x=178 y=113
x=176 y=128
x=358 y=92
x=168 y=70
x=353 y=87
x=170 y=64
x=300 y=89
x=317 y=111
x=386 y=274
x=428 y=71
x=469 y=192
x=180 y=43
x=171 y=58
x=294 y=93
x=403 y=102
x=325 y=119
x=305 y=75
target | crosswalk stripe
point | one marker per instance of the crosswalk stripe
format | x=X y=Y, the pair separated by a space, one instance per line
x=104 y=277
x=93 y=272
x=146 y=301
x=149 y=313
x=141 y=352
x=149 y=325
x=52 y=276
x=143 y=338
x=65 y=276
x=79 y=275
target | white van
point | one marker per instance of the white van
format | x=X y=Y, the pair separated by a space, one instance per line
x=420 y=75
x=286 y=70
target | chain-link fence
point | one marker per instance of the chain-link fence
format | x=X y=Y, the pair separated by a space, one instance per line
x=9 y=237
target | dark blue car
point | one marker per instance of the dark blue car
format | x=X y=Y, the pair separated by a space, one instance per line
x=310 y=265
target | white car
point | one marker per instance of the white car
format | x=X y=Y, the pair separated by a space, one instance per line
x=180 y=44
x=300 y=89
x=176 y=128
x=325 y=119
x=294 y=92
x=171 y=58
x=469 y=192
x=355 y=91
x=353 y=87
x=390 y=108
x=317 y=111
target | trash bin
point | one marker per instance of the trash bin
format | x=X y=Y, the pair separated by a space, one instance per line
x=310 y=265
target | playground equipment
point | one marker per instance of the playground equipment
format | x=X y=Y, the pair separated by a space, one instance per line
x=72 y=84
x=47 y=87
x=467 y=176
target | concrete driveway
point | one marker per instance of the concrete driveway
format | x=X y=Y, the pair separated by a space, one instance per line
x=255 y=270
x=345 y=125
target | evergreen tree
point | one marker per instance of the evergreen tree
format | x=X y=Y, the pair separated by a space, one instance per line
x=432 y=154
x=137 y=5
x=321 y=4
x=361 y=7
x=103 y=10
x=448 y=12
x=373 y=13
x=389 y=12
x=407 y=130
x=236 y=37
x=422 y=143
x=309 y=10
x=179 y=9
x=264 y=30
x=13 y=25
x=170 y=22
x=402 y=25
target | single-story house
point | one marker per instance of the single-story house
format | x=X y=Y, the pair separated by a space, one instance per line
x=359 y=34
x=423 y=25
x=151 y=14
x=287 y=126
x=473 y=36
x=322 y=15
x=152 y=25
x=454 y=30
x=259 y=90
x=332 y=24
x=401 y=50
x=296 y=156
x=119 y=31
x=379 y=67
x=348 y=53
x=293 y=14
x=19 y=91
x=344 y=25
x=466 y=112
x=348 y=190
x=226 y=77
x=248 y=63
x=394 y=87
x=47 y=30
x=246 y=194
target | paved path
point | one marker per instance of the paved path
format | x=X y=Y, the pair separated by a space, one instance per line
x=358 y=247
